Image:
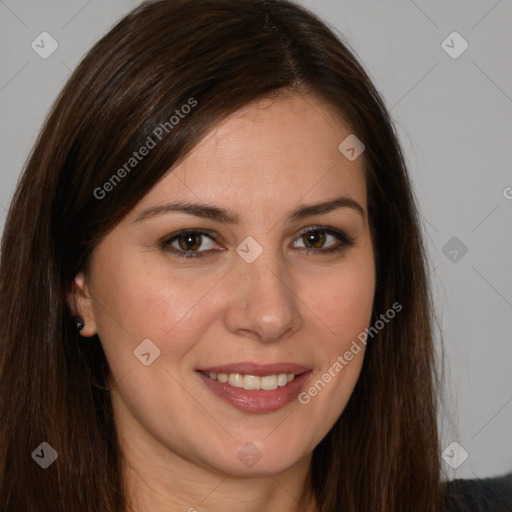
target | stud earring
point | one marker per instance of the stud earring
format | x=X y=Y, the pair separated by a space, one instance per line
x=78 y=323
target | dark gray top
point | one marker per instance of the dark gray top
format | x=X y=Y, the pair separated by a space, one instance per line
x=480 y=495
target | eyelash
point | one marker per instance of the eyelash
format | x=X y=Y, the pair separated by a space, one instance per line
x=344 y=239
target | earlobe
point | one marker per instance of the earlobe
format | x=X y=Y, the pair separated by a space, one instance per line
x=80 y=303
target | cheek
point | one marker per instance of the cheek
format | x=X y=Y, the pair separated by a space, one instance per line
x=135 y=301
x=343 y=311
x=344 y=301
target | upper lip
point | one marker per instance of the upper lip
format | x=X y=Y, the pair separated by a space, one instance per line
x=248 y=368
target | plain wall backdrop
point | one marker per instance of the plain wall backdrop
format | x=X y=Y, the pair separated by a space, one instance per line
x=450 y=96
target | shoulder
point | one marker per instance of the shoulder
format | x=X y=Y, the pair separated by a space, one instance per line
x=479 y=495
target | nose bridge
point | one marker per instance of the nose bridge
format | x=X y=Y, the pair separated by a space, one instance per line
x=267 y=302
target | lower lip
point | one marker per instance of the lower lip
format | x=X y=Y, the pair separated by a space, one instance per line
x=257 y=401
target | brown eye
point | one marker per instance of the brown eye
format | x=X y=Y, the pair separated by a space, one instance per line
x=187 y=243
x=315 y=238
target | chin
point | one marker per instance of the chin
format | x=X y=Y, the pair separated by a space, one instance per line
x=247 y=459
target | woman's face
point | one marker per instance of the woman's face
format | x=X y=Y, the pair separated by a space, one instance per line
x=249 y=300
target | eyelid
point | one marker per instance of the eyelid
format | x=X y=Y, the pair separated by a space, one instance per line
x=327 y=229
x=168 y=239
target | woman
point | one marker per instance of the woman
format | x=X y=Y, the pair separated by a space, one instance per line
x=213 y=284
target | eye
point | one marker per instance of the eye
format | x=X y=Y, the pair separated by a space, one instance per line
x=315 y=238
x=190 y=243
x=186 y=244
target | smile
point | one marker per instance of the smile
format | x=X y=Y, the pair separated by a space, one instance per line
x=254 y=388
x=253 y=382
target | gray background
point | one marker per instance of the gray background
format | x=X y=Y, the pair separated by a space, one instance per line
x=454 y=120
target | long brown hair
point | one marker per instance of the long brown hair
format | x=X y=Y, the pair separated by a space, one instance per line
x=382 y=455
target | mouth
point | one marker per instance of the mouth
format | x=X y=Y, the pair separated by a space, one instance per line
x=253 y=382
x=256 y=388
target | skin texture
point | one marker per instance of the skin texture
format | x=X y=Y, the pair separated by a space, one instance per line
x=179 y=439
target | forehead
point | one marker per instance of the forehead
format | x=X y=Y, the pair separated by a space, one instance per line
x=273 y=153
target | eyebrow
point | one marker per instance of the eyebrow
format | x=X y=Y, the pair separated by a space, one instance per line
x=225 y=216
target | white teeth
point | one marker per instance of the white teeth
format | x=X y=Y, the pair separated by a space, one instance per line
x=269 y=382
x=236 y=380
x=282 y=379
x=253 y=382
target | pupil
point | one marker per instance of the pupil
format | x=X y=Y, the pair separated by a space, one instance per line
x=314 y=238
x=189 y=241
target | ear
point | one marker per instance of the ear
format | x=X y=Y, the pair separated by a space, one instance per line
x=80 y=303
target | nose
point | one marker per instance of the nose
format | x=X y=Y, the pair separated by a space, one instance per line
x=264 y=305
